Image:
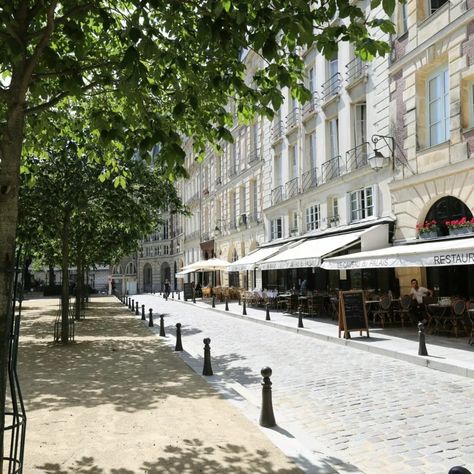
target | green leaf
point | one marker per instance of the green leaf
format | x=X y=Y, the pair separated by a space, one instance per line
x=227 y=4
x=388 y=6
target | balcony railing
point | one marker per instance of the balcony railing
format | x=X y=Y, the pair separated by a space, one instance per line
x=254 y=156
x=331 y=87
x=310 y=106
x=309 y=180
x=292 y=119
x=205 y=191
x=218 y=181
x=355 y=70
x=292 y=188
x=254 y=218
x=277 y=195
x=331 y=169
x=356 y=158
x=277 y=131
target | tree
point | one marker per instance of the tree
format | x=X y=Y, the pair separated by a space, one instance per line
x=162 y=68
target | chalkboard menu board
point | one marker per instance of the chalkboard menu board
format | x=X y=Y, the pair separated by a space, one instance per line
x=188 y=291
x=352 y=313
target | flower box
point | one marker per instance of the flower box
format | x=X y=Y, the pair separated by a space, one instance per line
x=432 y=234
x=460 y=230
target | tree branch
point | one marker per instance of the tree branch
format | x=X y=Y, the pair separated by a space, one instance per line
x=67 y=72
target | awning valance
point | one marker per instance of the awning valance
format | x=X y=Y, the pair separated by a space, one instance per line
x=210 y=265
x=426 y=254
x=250 y=261
x=309 y=253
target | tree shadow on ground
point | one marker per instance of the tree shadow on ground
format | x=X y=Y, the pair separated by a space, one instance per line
x=225 y=365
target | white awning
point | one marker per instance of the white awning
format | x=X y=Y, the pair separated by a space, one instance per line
x=183 y=272
x=250 y=261
x=213 y=264
x=309 y=253
x=426 y=254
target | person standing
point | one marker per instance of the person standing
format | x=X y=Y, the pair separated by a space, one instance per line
x=167 y=288
x=417 y=294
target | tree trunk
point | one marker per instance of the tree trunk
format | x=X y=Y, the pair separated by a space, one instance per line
x=79 y=283
x=65 y=285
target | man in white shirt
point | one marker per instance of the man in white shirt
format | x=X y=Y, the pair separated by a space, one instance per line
x=417 y=294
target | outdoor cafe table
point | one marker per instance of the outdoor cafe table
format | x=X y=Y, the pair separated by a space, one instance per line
x=440 y=314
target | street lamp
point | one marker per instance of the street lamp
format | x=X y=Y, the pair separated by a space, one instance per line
x=378 y=160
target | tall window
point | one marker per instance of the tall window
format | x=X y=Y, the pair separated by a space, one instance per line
x=276 y=228
x=333 y=66
x=233 y=159
x=333 y=138
x=255 y=137
x=293 y=159
x=313 y=217
x=438 y=108
x=254 y=197
x=311 y=143
x=277 y=171
x=311 y=81
x=360 y=124
x=403 y=9
x=243 y=207
x=165 y=230
x=218 y=169
x=362 y=204
x=294 y=222
x=233 y=210
x=433 y=5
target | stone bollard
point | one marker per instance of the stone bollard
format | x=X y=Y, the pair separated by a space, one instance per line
x=136 y=309
x=244 y=308
x=162 y=325
x=207 y=369
x=143 y=312
x=267 y=418
x=267 y=312
x=421 y=338
x=150 y=318
x=300 y=317
x=226 y=304
x=179 y=345
x=213 y=301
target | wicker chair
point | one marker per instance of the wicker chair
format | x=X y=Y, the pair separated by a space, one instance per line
x=404 y=310
x=383 y=312
x=458 y=315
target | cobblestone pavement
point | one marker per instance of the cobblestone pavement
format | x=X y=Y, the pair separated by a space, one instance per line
x=379 y=414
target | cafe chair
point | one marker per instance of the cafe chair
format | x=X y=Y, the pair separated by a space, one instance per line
x=292 y=304
x=383 y=312
x=458 y=315
x=470 y=315
x=404 y=310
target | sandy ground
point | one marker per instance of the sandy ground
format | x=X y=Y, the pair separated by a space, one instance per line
x=119 y=401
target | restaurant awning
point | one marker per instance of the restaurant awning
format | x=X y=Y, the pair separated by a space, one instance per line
x=182 y=273
x=210 y=265
x=250 y=261
x=426 y=254
x=309 y=253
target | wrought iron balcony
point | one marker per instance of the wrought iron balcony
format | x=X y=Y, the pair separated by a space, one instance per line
x=356 y=158
x=331 y=169
x=254 y=156
x=331 y=87
x=309 y=107
x=309 y=180
x=292 y=119
x=277 y=195
x=277 y=131
x=355 y=70
x=292 y=188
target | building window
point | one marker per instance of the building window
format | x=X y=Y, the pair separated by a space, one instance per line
x=333 y=138
x=165 y=230
x=311 y=81
x=434 y=5
x=438 y=108
x=277 y=170
x=360 y=124
x=293 y=161
x=362 y=204
x=312 y=150
x=243 y=207
x=254 y=197
x=276 y=228
x=403 y=17
x=313 y=217
x=166 y=249
x=294 y=223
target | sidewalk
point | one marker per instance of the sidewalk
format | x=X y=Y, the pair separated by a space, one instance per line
x=119 y=401
x=447 y=354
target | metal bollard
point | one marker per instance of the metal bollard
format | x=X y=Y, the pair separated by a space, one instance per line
x=421 y=338
x=179 y=295
x=136 y=309
x=150 y=318
x=129 y=302
x=267 y=418
x=267 y=312
x=226 y=304
x=244 y=308
x=162 y=326
x=213 y=301
x=132 y=306
x=459 y=470
x=300 y=317
x=179 y=346
x=172 y=295
x=207 y=369
x=194 y=297
x=143 y=312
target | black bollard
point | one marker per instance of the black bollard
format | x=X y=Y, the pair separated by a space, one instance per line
x=150 y=318
x=207 y=369
x=172 y=295
x=226 y=304
x=143 y=312
x=162 y=325
x=179 y=346
x=213 y=301
x=136 y=309
x=194 y=297
x=179 y=295
x=244 y=308
x=459 y=470
x=132 y=306
x=267 y=418
x=300 y=317
x=267 y=312
x=129 y=302
x=421 y=338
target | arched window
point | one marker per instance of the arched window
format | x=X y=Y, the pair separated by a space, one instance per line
x=447 y=209
x=131 y=269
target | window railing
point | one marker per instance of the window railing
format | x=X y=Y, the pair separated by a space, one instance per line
x=254 y=156
x=355 y=70
x=331 y=87
x=310 y=106
x=277 y=131
x=331 y=169
x=356 y=158
x=205 y=191
x=292 y=119
x=292 y=188
x=309 y=179
x=277 y=195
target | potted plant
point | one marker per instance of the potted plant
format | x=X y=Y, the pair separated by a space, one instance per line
x=460 y=226
x=427 y=230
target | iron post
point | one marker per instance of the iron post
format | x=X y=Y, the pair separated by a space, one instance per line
x=300 y=317
x=267 y=418
x=150 y=318
x=136 y=308
x=244 y=308
x=162 y=325
x=207 y=369
x=421 y=339
x=143 y=312
x=179 y=345
x=267 y=312
x=213 y=301
x=226 y=304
